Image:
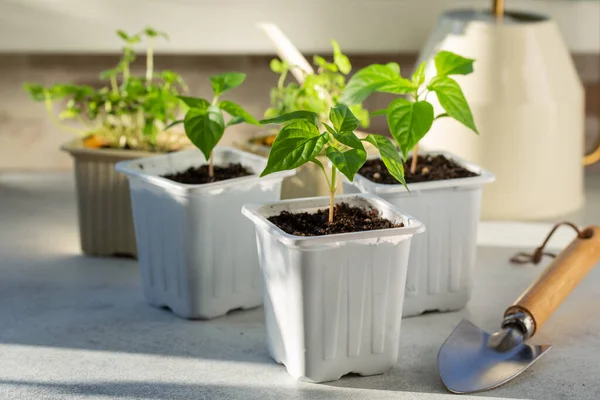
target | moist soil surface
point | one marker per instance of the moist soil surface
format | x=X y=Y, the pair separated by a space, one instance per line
x=346 y=219
x=429 y=169
x=199 y=175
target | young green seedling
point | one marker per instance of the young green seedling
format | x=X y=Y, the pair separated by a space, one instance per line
x=204 y=122
x=303 y=137
x=318 y=92
x=410 y=119
x=130 y=113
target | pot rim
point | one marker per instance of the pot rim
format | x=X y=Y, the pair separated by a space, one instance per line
x=76 y=147
x=258 y=214
x=483 y=178
x=127 y=167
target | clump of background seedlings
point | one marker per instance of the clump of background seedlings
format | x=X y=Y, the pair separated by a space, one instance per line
x=318 y=92
x=129 y=111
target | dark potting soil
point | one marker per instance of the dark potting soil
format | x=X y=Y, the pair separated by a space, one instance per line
x=346 y=219
x=199 y=175
x=429 y=169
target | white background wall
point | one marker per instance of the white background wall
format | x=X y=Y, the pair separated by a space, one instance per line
x=228 y=26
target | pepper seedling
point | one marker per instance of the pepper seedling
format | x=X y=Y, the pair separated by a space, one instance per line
x=204 y=122
x=130 y=112
x=303 y=137
x=318 y=92
x=410 y=119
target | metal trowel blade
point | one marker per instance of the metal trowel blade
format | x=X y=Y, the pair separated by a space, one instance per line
x=467 y=365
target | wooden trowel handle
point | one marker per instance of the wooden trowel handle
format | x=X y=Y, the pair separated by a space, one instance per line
x=560 y=278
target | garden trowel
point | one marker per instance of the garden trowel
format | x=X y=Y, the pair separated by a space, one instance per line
x=471 y=360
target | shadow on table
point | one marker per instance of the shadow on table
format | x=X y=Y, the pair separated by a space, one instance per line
x=158 y=390
x=91 y=303
x=425 y=380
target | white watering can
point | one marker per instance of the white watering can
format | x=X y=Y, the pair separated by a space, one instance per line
x=528 y=104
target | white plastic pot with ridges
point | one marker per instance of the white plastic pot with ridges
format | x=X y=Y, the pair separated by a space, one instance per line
x=197 y=254
x=333 y=304
x=440 y=268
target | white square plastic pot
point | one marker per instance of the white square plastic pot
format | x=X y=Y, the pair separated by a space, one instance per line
x=333 y=304
x=440 y=268
x=197 y=254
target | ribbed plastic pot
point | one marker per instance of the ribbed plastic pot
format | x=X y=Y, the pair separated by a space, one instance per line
x=103 y=202
x=333 y=304
x=197 y=254
x=440 y=269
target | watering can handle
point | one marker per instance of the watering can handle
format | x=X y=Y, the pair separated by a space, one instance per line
x=560 y=278
x=593 y=157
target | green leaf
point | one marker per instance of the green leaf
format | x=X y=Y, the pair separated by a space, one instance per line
x=389 y=155
x=123 y=35
x=69 y=113
x=342 y=119
x=60 y=91
x=226 y=81
x=236 y=110
x=204 y=128
x=174 y=123
x=362 y=114
x=36 y=92
x=349 y=139
x=151 y=32
x=321 y=62
x=453 y=100
x=309 y=116
x=329 y=128
x=409 y=122
x=235 y=121
x=195 y=102
x=418 y=77
x=106 y=74
x=347 y=162
x=277 y=65
x=394 y=67
x=340 y=60
x=319 y=163
x=448 y=63
x=379 y=112
x=376 y=77
x=296 y=144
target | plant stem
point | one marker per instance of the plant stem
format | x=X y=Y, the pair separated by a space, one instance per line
x=415 y=157
x=281 y=80
x=55 y=120
x=125 y=73
x=113 y=84
x=149 y=62
x=211 y=168
x=332 y=193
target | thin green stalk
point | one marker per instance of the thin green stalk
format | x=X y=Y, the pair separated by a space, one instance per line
x=113 y=84
x=332 y=188
x=281 y=80
x=149 y=62
x=125 y=73
x=55 y=120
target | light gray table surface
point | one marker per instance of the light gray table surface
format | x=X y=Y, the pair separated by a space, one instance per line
x=76 y=327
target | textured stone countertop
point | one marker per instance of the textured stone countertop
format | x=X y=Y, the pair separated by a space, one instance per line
x=75 y=327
